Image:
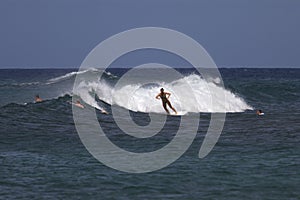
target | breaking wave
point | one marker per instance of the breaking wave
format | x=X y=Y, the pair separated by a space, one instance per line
x=202 y=97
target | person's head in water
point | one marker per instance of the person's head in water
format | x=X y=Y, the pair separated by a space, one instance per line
x=162 y=90
x=259 y=112
x=38 y=98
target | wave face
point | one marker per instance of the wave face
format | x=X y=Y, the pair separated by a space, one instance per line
x=21 y=88
x=141 y=98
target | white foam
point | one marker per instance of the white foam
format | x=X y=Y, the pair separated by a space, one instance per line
x=197 y=98
x=69 y=75
x=83 y=90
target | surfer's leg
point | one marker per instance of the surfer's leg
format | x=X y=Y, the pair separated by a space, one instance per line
x=169 y=104
x=165 y=107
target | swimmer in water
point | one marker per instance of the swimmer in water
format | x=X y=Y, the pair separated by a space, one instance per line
x=164 y=96
x=259 y=112
x=37 y=99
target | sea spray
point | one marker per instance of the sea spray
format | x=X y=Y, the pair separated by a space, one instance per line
x=140 y=98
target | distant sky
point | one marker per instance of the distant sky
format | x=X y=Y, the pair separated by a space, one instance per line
x=60 y=33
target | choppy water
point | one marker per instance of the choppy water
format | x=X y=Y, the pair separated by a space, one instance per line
x=42 y=156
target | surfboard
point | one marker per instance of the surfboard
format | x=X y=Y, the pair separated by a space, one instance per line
x=102 y=110
x=78 y=105
x=179 y=113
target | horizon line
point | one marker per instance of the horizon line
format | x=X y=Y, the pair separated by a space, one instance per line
x=176 y=67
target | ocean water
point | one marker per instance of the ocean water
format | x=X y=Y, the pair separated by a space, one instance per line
x=256 y=157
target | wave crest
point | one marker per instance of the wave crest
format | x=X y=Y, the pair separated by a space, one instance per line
x=73 y=74
x=139 y=98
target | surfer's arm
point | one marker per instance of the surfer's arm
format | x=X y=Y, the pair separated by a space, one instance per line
x=169 y=94
x=157 y=96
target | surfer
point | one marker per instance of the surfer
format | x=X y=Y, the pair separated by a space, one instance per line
x=37 y=99
x=78 y=104
x=164 y=96
x=259 y=112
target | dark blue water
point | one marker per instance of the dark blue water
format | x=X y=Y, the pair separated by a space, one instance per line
x=256 y=157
